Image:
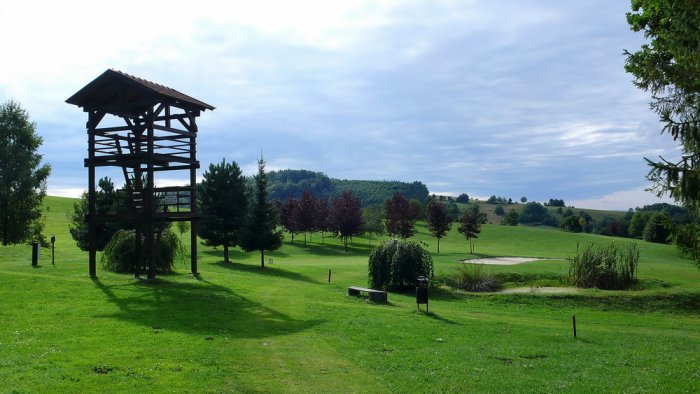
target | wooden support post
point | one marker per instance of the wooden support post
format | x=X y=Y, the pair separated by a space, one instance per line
x=92 y=252
x=138 y=234
x=329 y=276
x=150 y=198
x=193 y=197
x=573 y=319
x=149 y=251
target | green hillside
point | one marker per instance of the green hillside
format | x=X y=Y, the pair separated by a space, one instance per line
x=239 y=328
x=285 y=184
x=493 y=218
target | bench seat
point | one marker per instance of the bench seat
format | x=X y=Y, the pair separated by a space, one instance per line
x=374 y=295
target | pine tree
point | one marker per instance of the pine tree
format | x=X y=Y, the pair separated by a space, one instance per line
x=222 y=201
x=261 y=232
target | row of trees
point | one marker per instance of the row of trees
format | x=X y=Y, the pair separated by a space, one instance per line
x=232 y=213
x=342 y=216
x=236 y=215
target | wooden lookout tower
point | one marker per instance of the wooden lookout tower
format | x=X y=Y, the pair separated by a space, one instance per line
x=144 y=128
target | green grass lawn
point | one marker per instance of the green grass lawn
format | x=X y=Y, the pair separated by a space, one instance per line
x=239 y=328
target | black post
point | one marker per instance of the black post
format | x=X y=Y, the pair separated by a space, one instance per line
x=427 y=302
x=573 y=318
x=53 y=250
x=329 y=276
x=35 y=254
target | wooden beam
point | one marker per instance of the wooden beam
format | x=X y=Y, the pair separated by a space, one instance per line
x=173 y=130
x=172 y=117
x=94 y=118
x=105 y=130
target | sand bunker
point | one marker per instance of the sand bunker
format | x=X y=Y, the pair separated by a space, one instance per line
x=503 y=260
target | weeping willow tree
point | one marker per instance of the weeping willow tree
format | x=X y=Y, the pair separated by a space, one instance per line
x=668 y=67
x=120 y=252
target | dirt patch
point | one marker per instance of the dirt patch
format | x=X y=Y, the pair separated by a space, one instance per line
x=541 y=290
x=504 y=260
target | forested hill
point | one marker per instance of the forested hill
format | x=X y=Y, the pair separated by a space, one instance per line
x=374 y=193
x=284 y=184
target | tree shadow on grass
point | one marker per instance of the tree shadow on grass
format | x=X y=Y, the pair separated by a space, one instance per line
x=330 y=249
x=199 y=308
x=439 y=318
x=267 y=271
x=233 y=254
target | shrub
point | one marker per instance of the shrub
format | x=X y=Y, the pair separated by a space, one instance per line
x=534 y=213
x=471 y=277
x=395 y=264
x=609 y=267
x=120 y=252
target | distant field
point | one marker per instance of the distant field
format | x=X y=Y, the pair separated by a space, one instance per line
x=493 y=218
x=239 y=328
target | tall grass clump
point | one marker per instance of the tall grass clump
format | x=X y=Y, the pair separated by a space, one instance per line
x=609 y=267
x=120 y=252
x=396 y=264
x=471 y=277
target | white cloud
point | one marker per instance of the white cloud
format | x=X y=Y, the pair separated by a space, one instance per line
x=65 y=192
x=621 y=200
x=509 y=98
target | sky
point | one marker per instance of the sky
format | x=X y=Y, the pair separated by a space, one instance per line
x=510 y=98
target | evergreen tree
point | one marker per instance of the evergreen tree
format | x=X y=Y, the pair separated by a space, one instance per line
x=105 y=204
x=511 y=218
x=656 y=229
x=463 y=198
x=439 y=221
x=573 y=224
x=22 y=179
x=222 y=204
x=260 y=232
x=668 y=68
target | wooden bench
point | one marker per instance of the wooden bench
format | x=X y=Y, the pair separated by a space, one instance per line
x=374 y=295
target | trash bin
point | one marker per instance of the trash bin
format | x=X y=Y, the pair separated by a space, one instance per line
x=35 y=254
x=422 y=291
